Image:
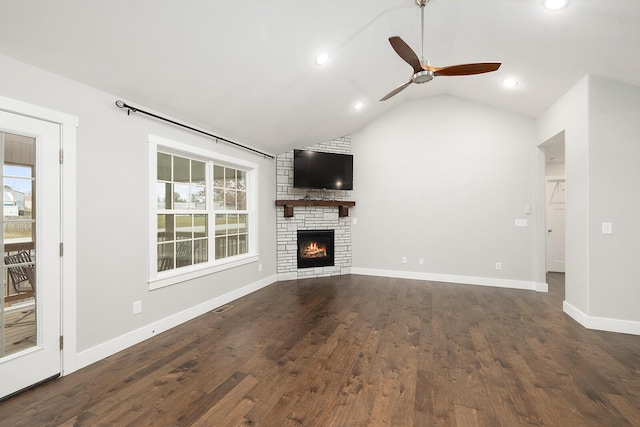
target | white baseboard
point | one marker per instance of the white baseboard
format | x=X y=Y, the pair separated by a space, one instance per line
x=101 y=351
x=541 y=287
x=450 y=278
x=283 y=277
x=601 y=323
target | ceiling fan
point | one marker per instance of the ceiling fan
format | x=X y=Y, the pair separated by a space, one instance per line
x=422 y=71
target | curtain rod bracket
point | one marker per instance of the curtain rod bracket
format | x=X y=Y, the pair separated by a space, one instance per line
x=121 y=104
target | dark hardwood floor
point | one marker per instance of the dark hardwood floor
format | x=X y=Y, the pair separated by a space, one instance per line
x=359 y=351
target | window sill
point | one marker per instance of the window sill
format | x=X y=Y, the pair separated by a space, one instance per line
x=187 y=273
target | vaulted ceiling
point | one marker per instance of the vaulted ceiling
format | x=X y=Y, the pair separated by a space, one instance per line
x=246 y=69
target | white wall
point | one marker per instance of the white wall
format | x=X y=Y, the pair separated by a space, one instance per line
x=444 y=179
x=614 y=196
x=112 y=211
x=600 y=118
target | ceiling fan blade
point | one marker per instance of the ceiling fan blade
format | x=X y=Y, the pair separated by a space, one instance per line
x=466 y=69
x=396 y=90
x=406 y=53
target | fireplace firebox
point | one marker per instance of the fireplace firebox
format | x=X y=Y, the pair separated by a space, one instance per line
x=315 y=248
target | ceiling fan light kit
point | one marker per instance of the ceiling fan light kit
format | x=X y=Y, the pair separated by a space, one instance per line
x=422 y=76
x=422 y=71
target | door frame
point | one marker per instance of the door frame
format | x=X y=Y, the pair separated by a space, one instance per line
x=68 y=126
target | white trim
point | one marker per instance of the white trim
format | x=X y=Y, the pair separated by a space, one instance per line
x=287 y=276
x=449 y=278
x=13 y=106
x=191 y=150
x=69 y=303
x=153 y=225
x=68 y=135
x=187 y=273
x=601 y=323
x=106 y=349
x=541 y=287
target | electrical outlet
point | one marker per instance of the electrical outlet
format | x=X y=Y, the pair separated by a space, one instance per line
x=404 y=259
x=607 y=228
x=259 y=267
x=498 y=266
x=420 y=261
x=137 y=307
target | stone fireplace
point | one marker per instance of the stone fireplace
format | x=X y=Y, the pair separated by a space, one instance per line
x=323 y=217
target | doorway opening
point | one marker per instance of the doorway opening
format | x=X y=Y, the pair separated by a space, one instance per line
x=554 y=203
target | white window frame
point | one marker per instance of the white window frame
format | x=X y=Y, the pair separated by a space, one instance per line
x=160 y=279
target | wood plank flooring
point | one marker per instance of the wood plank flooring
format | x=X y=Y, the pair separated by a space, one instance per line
x=359 y=351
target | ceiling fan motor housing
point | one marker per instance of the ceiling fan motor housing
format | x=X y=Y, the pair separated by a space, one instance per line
x=422 y=76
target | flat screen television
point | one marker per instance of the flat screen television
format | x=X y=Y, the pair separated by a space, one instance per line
x=327 y=171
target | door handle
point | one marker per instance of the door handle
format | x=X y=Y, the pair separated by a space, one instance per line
x=549 y=230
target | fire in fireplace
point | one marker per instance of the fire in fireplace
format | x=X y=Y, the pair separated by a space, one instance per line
x=315 y=248
x=312 y=250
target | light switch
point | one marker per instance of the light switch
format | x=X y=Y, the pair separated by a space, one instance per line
x=527 y=209
x=607 y=228
x=521 y=222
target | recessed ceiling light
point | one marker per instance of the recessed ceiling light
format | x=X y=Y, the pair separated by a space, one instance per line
x=509 y=83
x=555 y=4
x=358 y=106
x=322 y=58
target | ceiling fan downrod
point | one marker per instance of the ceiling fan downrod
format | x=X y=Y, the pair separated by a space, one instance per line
x=422 y=76
x=422 y=3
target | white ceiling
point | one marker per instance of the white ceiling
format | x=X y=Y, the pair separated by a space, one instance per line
x=245 y=69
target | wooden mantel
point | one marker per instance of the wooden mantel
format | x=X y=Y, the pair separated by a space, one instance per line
x=343 y=205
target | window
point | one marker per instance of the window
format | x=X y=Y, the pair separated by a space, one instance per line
x=230 y=206
x=195 y=191
x=182 y=212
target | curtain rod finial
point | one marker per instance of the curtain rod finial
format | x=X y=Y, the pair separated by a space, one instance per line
x=120 y=103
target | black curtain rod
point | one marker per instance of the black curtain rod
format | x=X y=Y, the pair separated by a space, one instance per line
x=121 y=104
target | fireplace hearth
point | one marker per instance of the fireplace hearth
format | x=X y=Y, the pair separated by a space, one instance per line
x=315 y=248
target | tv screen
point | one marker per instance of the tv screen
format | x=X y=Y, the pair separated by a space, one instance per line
x=317 y=170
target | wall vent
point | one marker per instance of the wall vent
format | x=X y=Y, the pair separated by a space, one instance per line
x=223 y=308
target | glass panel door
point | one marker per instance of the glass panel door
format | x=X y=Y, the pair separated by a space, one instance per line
x=30 y=238
x=19 y=238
